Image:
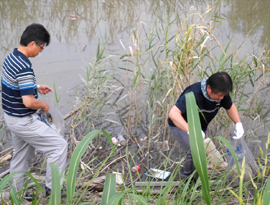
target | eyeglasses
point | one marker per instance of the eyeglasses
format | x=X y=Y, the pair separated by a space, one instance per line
x=42 y=47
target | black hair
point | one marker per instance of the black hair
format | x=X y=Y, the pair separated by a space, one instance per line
x=220 y=82
x=35 y=32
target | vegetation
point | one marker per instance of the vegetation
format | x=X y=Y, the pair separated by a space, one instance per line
x=134 y=101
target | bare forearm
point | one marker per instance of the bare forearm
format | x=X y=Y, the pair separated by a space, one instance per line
x=35 y=104
x=30 y=102
x=233 y=114
x=176 y=116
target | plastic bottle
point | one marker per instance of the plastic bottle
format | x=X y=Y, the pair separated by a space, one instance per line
x=239 y=151
x=214 y=155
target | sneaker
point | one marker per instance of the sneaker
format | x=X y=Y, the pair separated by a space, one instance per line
x=29 y=196
x=49 y=191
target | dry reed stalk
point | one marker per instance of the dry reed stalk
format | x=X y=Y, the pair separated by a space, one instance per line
x=73 y=112
x=3 y=174
x=9 y=153
x=112 y=162
x=6 y=150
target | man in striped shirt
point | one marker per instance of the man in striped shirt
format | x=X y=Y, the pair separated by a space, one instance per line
x=21 y=106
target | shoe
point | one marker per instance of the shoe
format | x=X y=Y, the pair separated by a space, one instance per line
x=49 y=191
x=29 y=196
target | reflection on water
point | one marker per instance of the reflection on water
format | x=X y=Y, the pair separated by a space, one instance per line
x=74 y=42
x=113 y=20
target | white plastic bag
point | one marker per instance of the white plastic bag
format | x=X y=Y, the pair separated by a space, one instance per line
x=58 y=124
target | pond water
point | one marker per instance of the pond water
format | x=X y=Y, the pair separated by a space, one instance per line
x=74 y=41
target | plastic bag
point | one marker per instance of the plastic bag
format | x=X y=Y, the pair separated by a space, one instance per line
x=241 y=149
x=57 y=120
x=251 y=168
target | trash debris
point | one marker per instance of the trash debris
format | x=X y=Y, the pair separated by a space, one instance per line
x=121 y=140
x=157 y=173
x=119 y=178
x=84 y=47
x=73 y=17
x=136 y=168
x=160 y=146
x=114 y=141
x=163 y=146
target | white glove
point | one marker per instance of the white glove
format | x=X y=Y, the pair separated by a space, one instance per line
x=203 y=134
x=239 y=131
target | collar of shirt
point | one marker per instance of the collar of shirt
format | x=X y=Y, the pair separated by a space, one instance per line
x=203 y=89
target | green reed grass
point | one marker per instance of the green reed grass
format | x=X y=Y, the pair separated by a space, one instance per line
x=57 y=99
x=109 y=188
x=197 y=145
x=55 y=197
x=158 y=68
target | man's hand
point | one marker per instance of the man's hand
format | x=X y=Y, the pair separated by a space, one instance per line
x=203 y=134
x=45 y=108
x=44 y=89
x=239 y=131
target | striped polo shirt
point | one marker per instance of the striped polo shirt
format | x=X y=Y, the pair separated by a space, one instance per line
x=17 y=79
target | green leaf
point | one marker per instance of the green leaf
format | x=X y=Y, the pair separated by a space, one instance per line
x=139 y=198
x=266 y=194
x=197 y=145
x=74 y=163
x=55 y=197
x=117 y=197
x=15 y=198
x=55 y=93
x=109 y=188
x=6 y=180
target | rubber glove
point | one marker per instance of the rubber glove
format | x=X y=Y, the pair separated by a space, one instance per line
x=239 y=131
x=203 y=134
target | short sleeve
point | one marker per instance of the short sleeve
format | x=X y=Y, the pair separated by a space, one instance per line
x=226 y=102
x=181 y=104
x=26 y=82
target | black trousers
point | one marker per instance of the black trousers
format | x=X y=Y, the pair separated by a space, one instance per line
x=183 y=138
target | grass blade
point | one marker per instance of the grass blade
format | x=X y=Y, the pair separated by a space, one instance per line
x=6 y=180
x=109 y=188
x=197 y=145
x=55 y=94
x=14 y=198
x=55 y=197
x=139 y=199
x=74 y=163
x=117 y=197
x=266 y=194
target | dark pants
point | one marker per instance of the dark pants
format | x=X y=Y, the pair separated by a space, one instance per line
x=183 y=138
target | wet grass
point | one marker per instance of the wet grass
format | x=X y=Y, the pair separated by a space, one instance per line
x=134 y=99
